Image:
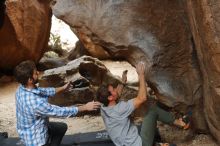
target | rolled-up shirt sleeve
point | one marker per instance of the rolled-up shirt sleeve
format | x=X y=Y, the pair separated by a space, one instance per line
x=50 y=91
x=44 y=108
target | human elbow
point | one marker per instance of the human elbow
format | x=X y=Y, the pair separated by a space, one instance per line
x=144 y=98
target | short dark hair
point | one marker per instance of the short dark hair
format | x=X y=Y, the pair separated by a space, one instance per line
x=102 y=94
x=24 y=71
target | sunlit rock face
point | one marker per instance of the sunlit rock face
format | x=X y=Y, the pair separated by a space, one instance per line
x=156 y=32
x=25 y=32
x=204 y=19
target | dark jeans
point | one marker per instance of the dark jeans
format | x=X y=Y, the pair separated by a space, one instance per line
x=56 y=132
x=149 y=124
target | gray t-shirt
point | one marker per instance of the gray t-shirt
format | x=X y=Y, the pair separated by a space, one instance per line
x=119 y=127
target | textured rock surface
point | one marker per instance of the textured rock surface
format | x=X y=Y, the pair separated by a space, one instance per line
x=25 y=32
x=84 y=74
x=78 y=51
x=49 y=63
x=205 y=25
x=178 y=41
x=156 y=32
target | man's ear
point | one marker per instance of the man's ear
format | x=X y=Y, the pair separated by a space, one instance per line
x=30 y=80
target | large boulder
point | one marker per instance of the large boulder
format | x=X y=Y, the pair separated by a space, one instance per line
x=78 y=51
x=84 y=73
x=25 y=32
x=156 y=32
x=204 y=19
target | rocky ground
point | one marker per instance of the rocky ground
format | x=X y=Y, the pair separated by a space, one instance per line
x=78 y=124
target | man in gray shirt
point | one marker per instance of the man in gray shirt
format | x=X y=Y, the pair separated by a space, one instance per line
x=116 y=114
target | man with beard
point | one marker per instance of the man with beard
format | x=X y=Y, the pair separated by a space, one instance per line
x=33 y=109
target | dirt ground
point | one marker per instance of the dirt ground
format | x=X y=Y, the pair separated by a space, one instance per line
x=78 y=124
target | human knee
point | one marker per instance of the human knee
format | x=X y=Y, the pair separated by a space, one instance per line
x=62 y=128
x=65 y=127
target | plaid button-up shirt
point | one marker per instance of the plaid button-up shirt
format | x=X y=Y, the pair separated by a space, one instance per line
x=32 y=111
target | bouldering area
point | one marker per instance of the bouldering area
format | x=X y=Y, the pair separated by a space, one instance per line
x=178 y=40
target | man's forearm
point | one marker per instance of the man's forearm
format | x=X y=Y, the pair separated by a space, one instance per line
x=82 y=108
x=89 y=106
x=142 y=88
x=62 y=88
x=124 y=80
x=120 y=88
x=59 y=89
x=141 y=97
